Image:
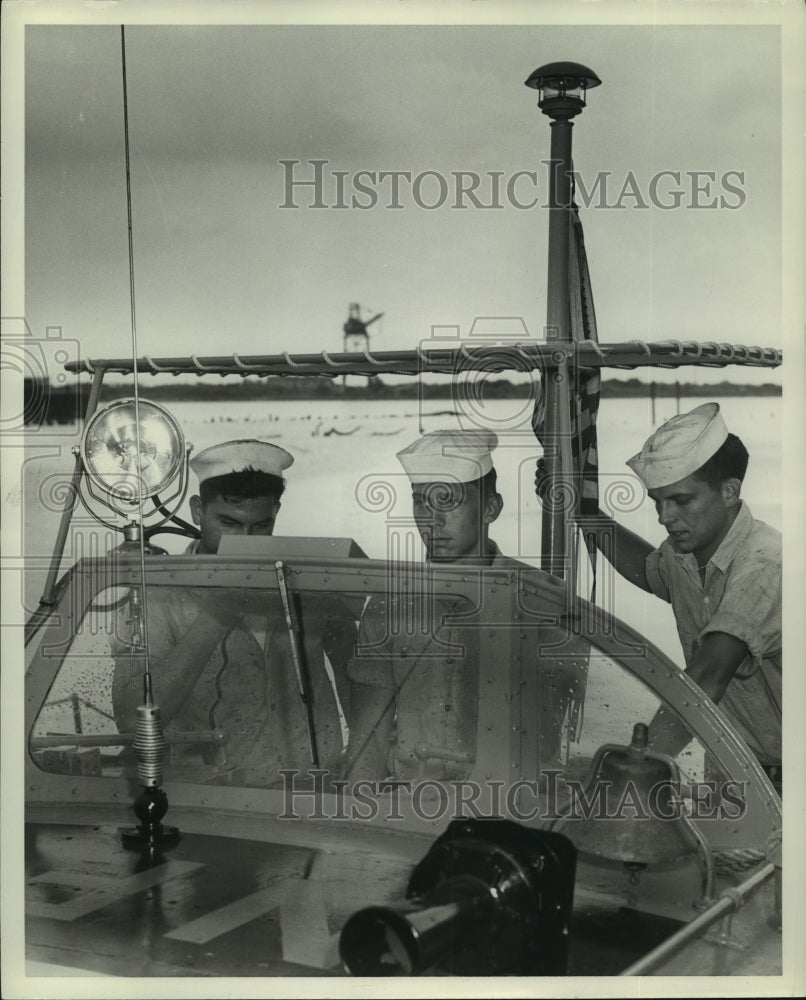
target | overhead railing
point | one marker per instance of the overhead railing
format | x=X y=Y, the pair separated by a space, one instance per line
x=450 y=361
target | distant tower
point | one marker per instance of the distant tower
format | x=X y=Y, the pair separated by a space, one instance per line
x=356 y=338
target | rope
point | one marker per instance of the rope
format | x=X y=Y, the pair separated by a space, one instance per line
x=737 y=860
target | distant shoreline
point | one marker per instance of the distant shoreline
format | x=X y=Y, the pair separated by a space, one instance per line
x=47 y=404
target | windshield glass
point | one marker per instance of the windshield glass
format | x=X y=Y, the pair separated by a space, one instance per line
x=374 y=684
x=243 y=689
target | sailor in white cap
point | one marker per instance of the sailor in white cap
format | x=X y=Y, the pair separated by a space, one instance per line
x=454 y=494
x=221 y=658
x=240 y=486
x=414 y=697
x=719 y=568
x=680 y=447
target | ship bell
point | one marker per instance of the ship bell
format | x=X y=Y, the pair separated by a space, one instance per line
x=637 y=816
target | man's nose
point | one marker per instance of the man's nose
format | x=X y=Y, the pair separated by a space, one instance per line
x=666 y=512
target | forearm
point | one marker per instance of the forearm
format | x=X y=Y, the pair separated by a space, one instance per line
x=625 y=550
x=667 y=733
x=175 y=674
x=713 y=684
x=714 y=664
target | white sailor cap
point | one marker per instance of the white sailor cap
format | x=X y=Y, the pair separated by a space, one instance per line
x=239 y=456
x=680 y=446
x=449 y=456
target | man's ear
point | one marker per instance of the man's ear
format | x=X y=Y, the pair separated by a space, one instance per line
x=731 y=491
x=493 y=507
x=195 y=509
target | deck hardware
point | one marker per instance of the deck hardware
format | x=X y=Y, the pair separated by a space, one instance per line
x=662 y=832
x=490 y=896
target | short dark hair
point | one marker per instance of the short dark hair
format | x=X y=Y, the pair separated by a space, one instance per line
x=729 y=461
x=487 y=484
x=248 y=484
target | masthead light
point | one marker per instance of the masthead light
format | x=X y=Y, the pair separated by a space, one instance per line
x=562 y=87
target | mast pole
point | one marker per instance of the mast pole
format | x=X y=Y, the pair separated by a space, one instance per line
x=561 y=90
x=559 y=503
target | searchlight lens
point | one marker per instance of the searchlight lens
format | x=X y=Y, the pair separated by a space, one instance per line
x=127 y=462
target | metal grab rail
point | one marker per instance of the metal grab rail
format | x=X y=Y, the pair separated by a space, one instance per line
x=51 y=740
x=729 y=901
x=451 y=361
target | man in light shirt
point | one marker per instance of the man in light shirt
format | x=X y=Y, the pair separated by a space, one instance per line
x=221 y=658
x=415 y=696
x=720 y=569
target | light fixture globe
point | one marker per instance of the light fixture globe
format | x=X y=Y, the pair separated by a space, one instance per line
x=562 y=87
x=132 y=460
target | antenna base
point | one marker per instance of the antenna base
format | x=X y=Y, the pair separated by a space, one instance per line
x=149 y=807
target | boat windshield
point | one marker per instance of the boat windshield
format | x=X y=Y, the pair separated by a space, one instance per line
x=373 y=680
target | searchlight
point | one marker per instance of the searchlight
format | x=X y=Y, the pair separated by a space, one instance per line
x=131 y=451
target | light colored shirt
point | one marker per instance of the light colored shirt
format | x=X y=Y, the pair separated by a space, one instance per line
x=430 y=672
x=741 y=596
x=247 y=689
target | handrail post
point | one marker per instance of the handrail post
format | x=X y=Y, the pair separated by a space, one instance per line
x=47 y=597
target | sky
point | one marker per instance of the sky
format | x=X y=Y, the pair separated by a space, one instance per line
x=227 y=256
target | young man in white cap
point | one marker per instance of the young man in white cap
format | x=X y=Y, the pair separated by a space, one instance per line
x=221 y=659
x=414 y=707
x=455 y=497
x=243 y=502
x=721 y=571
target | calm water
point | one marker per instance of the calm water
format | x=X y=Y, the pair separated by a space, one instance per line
x=346 y=481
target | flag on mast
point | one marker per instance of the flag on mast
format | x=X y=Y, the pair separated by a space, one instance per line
x=584 y=404
x=586 y=384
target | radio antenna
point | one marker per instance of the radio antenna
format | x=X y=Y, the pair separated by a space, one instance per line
x=149 y=740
